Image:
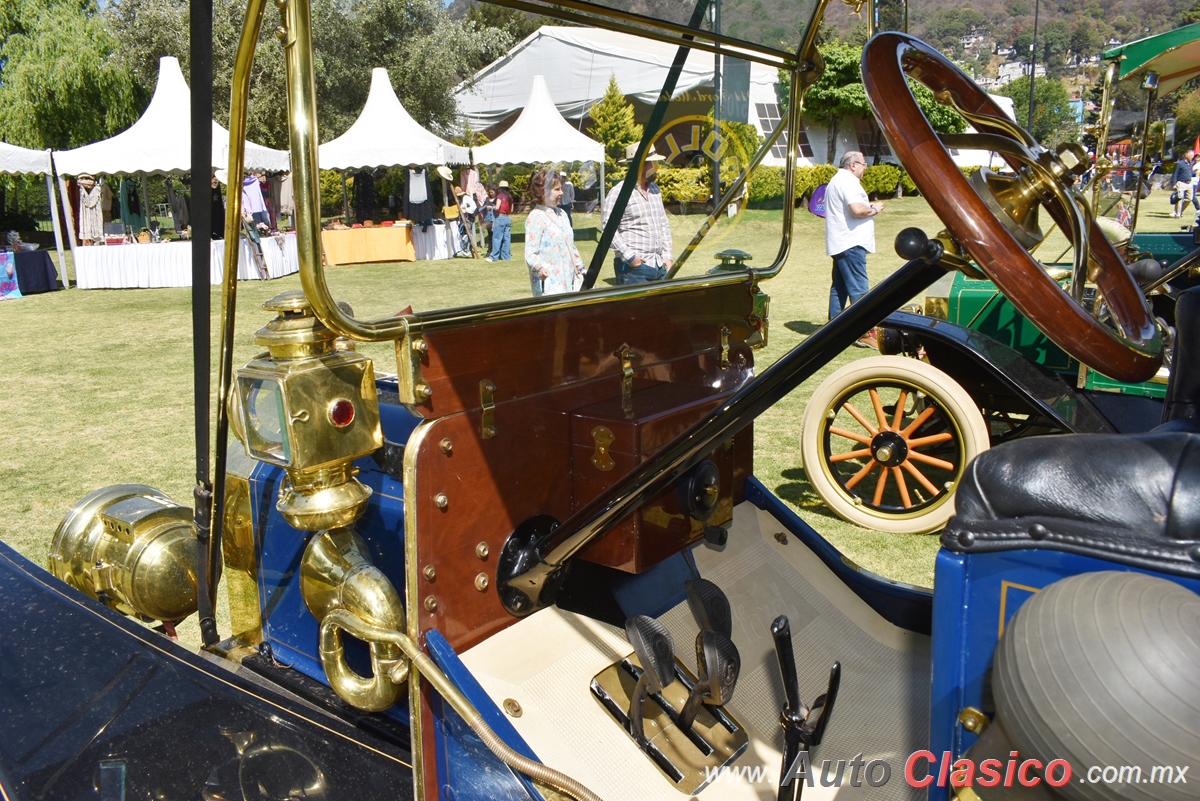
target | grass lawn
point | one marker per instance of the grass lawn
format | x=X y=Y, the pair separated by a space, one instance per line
x=98 y=383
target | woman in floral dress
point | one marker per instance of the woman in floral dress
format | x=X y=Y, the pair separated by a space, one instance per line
x=555 y=265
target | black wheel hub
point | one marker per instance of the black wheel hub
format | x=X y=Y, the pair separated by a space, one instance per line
x=889 y=449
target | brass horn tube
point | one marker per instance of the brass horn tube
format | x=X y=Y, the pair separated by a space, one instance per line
x=375 y=694
x=458 y=702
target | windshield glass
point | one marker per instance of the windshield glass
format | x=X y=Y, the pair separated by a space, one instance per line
x=572 y=89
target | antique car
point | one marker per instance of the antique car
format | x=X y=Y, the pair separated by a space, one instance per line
x=987 y=373
x=477 y=578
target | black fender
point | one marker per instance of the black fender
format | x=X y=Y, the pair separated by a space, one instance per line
x=997 y=377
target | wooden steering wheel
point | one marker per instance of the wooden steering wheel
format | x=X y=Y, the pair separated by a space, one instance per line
x=1132 y=352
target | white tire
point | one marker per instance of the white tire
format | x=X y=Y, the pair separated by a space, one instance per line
x=880 y=471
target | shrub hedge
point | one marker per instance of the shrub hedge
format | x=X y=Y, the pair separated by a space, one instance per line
x=766 y=185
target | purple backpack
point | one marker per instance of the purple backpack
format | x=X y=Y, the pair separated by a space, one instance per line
x=816 y=203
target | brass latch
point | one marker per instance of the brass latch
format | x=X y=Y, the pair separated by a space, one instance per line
x=626 y=354
x=724 y=347
x=487 y=392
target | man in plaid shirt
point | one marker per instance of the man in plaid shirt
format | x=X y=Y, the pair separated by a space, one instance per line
x=642 y=244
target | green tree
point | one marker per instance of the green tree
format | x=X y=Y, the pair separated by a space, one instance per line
x=1054 y=119
x=426 y=52
x=61 y=85
x=840 y=94
x=612 y=124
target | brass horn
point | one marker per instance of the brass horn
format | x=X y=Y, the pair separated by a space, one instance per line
x=336 y=573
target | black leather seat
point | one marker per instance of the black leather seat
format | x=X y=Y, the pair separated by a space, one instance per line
x=1133 y=499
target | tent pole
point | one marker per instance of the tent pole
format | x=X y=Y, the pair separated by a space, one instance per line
x=145 y=202
x=62 y=263
x=66 y=207
x=345 y=202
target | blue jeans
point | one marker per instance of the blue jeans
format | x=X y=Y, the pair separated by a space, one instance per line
x=642 y=274
x=849 y=279
x=502 y=238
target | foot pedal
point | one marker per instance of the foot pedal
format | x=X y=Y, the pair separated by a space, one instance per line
x=689 y=758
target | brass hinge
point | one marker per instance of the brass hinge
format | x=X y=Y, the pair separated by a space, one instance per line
x=487 y=397
x=603 y=438
x=626 y=354
x=724 y=347
x=410 y=353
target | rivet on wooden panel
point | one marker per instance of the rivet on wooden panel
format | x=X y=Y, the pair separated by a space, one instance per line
x=482 y=550
x=441 y=501
x=447 y=446
x=481 y=582
x=430 y=573
x=430 y=604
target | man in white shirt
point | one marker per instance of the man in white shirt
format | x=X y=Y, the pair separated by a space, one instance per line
x=849 y=235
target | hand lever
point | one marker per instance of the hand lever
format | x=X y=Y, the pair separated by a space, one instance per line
x=803 y=726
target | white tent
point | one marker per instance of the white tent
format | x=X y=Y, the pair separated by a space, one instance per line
x=160 y=142
x=18 y=160
x=540 y=134
x=577 y=63
x=386 y=135
x=22 y=161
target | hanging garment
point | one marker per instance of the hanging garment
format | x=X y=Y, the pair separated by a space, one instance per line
x=91 y=216
x=180 y=215
x=287 y=196
x=252 y=198
x=274 y=182
x=421 y=210
x=218 y=214
x=364 y=196
x=473 y=186
x=264 y=186
x=131 y=207
x=106 y=200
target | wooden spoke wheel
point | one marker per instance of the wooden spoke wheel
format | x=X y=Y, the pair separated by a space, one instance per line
x=885 y=441
x=1131 y=350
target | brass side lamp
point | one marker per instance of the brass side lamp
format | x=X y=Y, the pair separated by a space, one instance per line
x=310 y=407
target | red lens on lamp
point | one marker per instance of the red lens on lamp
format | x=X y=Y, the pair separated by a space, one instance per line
x=341 y=413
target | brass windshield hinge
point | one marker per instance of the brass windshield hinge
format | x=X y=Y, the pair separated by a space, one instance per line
x=487 y=397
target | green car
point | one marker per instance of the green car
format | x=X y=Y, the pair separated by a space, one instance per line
x=885 y=440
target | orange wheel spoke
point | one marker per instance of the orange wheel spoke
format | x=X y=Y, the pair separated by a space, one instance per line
x=841 y=457
x=929 y=460
x=903 y=487
x=841 y=432
x=861 y=474
x=920 y=477
x=900 y=410
x=880 y=414
x=862 y=421
x=918 y=422
x=879 y=485
x=930 y=440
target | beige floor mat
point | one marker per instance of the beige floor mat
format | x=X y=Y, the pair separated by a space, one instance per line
x=546 y=663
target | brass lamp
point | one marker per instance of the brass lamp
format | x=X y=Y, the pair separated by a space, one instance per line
x=311 y=408
x=132 y=548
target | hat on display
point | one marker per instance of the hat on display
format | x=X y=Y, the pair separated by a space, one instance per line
x=503 y=184
x=458 y=191
x=444 y=171
x=631 y=151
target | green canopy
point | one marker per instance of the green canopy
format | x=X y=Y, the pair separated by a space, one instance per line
x=1174 y=55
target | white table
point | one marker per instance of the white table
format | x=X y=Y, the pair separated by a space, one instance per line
x=430 y=242
x=169 y=264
